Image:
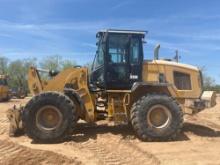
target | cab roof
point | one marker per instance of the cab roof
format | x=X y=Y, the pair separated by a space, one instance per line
x=137 y=32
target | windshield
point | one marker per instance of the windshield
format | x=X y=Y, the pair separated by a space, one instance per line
x=99 y=58
x=118 y=48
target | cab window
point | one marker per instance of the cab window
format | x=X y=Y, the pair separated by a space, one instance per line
x=118 y=49
x=134 y=50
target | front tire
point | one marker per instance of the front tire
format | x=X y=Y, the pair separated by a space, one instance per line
x=49 y=117
x=156 y=117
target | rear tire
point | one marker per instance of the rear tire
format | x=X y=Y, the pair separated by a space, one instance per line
x=49 y=117
x=156 y=117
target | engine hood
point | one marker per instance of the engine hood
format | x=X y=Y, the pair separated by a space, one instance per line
x=173 y=63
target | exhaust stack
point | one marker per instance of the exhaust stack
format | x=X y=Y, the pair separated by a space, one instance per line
x=156 y=52
x=177 y=57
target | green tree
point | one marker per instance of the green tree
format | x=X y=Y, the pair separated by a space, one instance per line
x=56 y=63
x=3 y=65
x=67 y=64
x=51 y=62
x=208 y=81
x=18 y=73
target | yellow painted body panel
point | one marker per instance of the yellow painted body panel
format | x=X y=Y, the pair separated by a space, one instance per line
x=77 y=77
x=4 y=92
x=151 y=71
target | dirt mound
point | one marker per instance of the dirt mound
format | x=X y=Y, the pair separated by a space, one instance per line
x=12 y=153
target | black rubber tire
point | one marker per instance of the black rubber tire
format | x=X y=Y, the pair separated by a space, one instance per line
x=76 y=103
x=63 y=104
x=139 y=119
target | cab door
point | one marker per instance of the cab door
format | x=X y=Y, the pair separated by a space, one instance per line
x=124 y=61
x=135 y=60
x=117 y=67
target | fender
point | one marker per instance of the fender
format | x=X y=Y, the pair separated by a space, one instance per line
x=141 y=88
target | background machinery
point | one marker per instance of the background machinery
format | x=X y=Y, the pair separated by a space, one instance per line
x=18 y=93
x=122 y=87
x=4 y=89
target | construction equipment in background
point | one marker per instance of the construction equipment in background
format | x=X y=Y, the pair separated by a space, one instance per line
x=4 y=89
x=18 y=93
x=152 y=95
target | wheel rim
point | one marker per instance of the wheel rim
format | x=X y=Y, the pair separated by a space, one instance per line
x=159 y=116
x=48 y=118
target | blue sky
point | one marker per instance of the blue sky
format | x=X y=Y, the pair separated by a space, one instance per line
x=68 y=27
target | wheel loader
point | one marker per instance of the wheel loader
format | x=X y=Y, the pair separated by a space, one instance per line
x=4 y=89
x=151 y=95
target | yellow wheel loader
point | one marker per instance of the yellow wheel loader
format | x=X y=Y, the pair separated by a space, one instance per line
x=4 y=89
x=123 y=87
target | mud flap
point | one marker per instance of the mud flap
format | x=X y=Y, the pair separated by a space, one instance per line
x=14 y=116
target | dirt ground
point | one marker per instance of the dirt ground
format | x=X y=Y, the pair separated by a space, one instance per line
x=198 y=144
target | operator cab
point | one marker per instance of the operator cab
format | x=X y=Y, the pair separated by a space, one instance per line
x=118 y=60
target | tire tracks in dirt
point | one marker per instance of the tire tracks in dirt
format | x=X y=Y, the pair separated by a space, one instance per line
x=111 y=150
x=13 y=153
x=4 y=125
